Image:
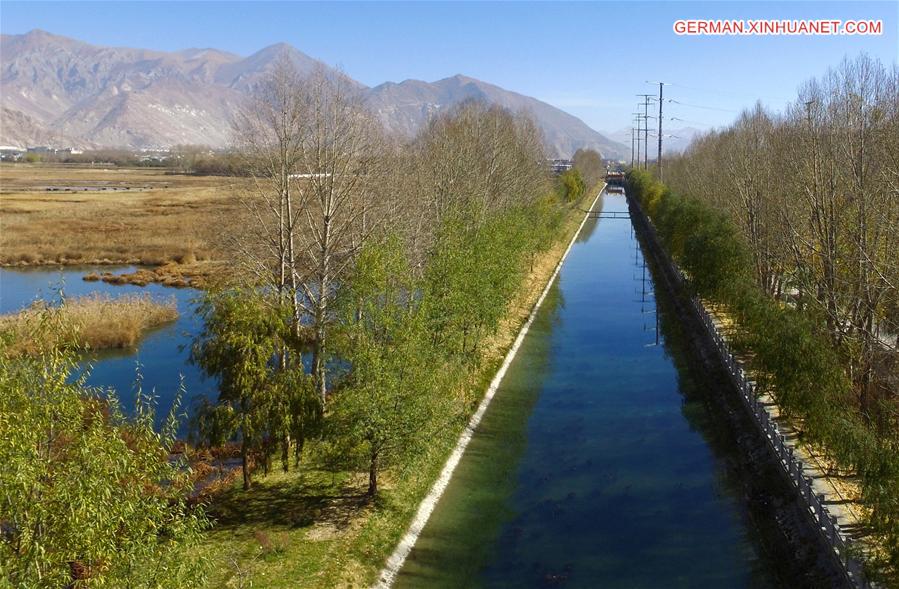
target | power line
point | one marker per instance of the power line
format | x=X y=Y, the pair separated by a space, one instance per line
x=671 y=100
x=689 y=121
x=728 y=93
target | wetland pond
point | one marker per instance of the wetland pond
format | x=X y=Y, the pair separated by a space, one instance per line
x=161 y=355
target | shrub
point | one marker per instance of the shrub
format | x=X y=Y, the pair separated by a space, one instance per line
x=113 y=505
x=571 y=185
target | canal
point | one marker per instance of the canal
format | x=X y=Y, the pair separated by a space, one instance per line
x=601 y=461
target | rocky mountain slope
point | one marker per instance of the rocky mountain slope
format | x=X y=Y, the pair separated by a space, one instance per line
x=60 y=91
x=406 y=106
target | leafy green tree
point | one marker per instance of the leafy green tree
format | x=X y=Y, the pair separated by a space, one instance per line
x=239 y=345
x=293 y=412
x=89 y=496
x=571 y=185
x=388 y=403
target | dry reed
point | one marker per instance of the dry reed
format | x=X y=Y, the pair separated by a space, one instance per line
x=92 y=322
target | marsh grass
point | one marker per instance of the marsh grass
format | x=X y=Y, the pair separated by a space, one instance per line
x=58 y=214
x=93 y=322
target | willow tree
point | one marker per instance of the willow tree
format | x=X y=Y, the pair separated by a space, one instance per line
x=90 y=496
x=239 y=340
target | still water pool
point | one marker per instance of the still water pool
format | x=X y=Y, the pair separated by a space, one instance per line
x=161 y=356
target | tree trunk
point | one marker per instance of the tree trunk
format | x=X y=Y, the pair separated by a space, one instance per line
x=297 y=451
x=373 y=476
x=285 y=453
x=244 y=466
x=318 y=360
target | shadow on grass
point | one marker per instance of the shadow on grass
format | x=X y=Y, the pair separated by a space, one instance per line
x=289 y=500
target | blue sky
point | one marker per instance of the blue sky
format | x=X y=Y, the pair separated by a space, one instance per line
x=590 y=58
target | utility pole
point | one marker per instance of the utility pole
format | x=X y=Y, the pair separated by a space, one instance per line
x=632 y=146
x=645 y=132
x=637 y=116
x=660 y=131
x=646 y=98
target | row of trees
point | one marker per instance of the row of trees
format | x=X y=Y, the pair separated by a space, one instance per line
x=789 y=348
x=362 y=292
x=790 y=223
x=371 y=274
x=814 y=193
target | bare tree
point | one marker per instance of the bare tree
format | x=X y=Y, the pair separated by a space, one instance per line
x=268 y=134
x=481 y=158
x=317 y=162
x=341 y=169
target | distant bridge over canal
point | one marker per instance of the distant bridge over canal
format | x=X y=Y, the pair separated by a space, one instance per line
x=615 y=178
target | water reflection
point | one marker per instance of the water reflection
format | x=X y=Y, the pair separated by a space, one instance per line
x=161 y=356
x=619 y=483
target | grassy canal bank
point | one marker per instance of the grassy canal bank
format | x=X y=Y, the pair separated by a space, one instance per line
x=313 y=527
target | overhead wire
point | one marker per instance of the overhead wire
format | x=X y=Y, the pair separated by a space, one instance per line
x=728 y=93
x=673 y=101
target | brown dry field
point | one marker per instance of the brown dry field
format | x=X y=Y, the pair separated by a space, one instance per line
x=75 y=214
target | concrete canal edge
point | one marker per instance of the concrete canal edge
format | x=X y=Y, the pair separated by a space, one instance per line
x=782 y=450
x=395 y=562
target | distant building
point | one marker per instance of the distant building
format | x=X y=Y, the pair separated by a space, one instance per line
x=560 y=166
x=10 y=153
x=46 y=149
x=615 y=179
x=153 y=158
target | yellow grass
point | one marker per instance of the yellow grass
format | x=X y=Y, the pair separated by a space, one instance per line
x=93 y=322
x=63 y=214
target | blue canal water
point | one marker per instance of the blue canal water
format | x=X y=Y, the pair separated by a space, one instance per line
x=162 y=356
x=597 y=465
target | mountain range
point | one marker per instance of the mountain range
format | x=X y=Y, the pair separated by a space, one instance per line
x=63 y=92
